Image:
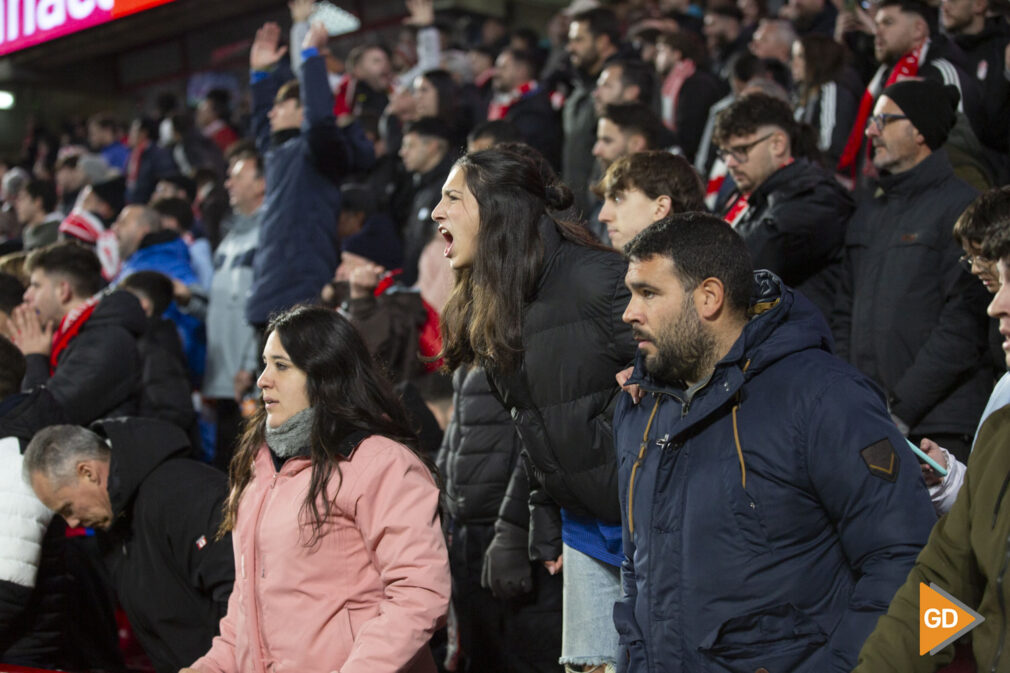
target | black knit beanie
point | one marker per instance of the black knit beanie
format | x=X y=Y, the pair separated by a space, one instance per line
x=929 y=105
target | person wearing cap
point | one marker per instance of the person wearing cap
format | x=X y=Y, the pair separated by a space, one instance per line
x=233 y=351
x=908 y=315
x=906 y=48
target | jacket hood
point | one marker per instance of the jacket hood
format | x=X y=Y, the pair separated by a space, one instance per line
x=119 y=307
x=782 y=322
x=139 y=445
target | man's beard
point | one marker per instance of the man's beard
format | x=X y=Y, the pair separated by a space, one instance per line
x=685 y=350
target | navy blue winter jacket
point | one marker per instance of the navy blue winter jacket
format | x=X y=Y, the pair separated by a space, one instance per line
x=769 y=518
x=298 y=248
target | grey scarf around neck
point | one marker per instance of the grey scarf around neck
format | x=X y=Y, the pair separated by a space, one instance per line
x=292 y=437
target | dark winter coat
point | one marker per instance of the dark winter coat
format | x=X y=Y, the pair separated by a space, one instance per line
x=98 y=373
x=831 y=111
x=391 y=325
x=579 y=126
x=156 y=163
x=480 y=450
x=165 y=252
x=698 y=94
x=165 y=388
x=302 y=202
x=562 y=397
x=795 y=227
x=768 y=518
x=171 y=576
x=986 y=62
x=419 y=228
x=538 y=124
x=908 y=316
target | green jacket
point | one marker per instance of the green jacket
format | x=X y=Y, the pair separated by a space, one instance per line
x=968 y=555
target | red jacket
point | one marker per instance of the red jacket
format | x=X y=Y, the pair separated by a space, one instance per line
x=365 y=599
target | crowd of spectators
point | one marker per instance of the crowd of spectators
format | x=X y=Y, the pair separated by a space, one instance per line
x=858 y=150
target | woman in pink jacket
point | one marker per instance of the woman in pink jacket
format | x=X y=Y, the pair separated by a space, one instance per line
x=340 y=563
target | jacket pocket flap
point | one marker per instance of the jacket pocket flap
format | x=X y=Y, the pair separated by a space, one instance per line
x=777 y=624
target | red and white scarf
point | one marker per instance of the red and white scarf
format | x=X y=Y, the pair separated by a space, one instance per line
x=671 y=90
x=501 y=102
x=69 y=327
x=905 y=68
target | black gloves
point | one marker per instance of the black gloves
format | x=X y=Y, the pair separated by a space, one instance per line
x=506 y=570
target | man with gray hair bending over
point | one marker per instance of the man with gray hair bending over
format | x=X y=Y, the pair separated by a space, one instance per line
x=157 y=513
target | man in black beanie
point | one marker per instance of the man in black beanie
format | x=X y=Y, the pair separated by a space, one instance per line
x=908 y=314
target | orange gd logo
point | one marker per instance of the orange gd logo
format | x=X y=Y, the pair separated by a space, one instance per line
x=942 y=619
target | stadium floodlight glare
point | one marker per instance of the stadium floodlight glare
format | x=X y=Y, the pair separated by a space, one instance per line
x=337 y=21
x=6 y=100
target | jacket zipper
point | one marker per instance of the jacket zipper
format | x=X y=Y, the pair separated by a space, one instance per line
x=638 y=461
x=258 y=559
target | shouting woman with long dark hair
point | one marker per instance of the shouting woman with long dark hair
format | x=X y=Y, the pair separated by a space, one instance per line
x=537 y=303
x=340 y=559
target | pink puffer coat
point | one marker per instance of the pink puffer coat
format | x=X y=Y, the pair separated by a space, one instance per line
x=365 y=599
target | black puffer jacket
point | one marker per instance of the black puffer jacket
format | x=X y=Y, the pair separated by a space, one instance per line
x=908 y=316
x=98 y=373
x=795 y=228
x=172 y=577
x=479 y=450
x=562 y=398
x=538 y=124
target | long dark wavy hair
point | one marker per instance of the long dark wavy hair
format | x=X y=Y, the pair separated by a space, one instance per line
x=514 y=188
x=348 y=392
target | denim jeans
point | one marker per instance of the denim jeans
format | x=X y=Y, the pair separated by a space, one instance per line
x=591 y=587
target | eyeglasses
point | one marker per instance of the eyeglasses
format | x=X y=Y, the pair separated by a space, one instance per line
x=968 y=261
x=881 y=120
x=740 y=152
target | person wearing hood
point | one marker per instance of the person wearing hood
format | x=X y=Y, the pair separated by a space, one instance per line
x=770 y=508
x=157 y=513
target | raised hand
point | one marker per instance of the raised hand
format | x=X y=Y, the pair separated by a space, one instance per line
x=265 y=50
x=316 y=37
x=422 y=13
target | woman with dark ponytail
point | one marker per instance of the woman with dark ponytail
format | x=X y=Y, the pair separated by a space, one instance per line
x=537 y=303
x=340 y=558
